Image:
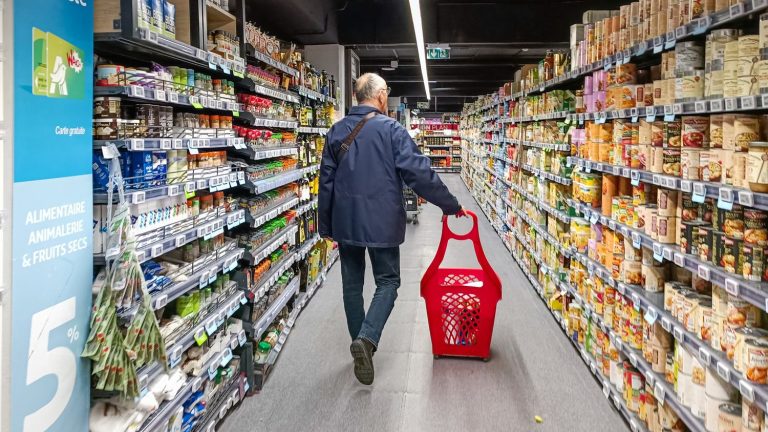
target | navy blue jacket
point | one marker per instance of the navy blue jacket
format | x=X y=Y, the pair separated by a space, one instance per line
x=361 y=200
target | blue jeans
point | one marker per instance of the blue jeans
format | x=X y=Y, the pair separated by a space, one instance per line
x=386 y=273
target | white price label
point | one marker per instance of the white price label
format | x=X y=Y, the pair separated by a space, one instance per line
x=747 y=390
x=686 y=186
x=658 y=393
x=723 y=371
x=731 y=286
x=138 y=197
x=679 y=260
x=746 y=198
x=748 y=102
x=704 y=356
x=716 y=105
x=737 y=9
x=703 y=272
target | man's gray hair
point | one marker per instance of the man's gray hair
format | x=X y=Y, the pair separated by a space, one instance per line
x=368 y=85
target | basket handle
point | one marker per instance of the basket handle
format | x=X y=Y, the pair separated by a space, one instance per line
x=474 y=236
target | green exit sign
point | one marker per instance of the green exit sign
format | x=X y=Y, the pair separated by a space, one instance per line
x=438 y=54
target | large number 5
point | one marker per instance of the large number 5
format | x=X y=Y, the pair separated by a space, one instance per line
x=59 y=361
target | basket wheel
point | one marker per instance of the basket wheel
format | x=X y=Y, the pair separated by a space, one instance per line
x=436 y=356
x=486 y=360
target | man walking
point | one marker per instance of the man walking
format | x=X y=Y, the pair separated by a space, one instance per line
x=367 y=158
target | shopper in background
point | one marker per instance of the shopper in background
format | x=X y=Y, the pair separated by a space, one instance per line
x=367 y=158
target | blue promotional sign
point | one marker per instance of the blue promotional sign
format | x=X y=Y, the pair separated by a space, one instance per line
x=52 y=214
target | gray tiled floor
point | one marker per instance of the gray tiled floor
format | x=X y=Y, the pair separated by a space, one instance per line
x=534 y=370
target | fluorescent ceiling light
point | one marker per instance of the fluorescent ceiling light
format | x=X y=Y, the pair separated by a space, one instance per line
x=416 y=17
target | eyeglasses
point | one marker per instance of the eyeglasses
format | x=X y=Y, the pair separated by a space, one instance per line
x=388 y=90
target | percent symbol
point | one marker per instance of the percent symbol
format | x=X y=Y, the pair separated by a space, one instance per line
x=73 y=334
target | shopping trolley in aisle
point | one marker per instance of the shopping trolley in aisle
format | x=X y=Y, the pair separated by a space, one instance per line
x=412 y=205
x=461 y=303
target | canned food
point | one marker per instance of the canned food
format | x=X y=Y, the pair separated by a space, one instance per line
x=690 y=86
x=688 y=210
x=671 y=161
x=717 y=340
x=704 y=243
x=738 y=172
x=704 y=325
x=653 y=278
x=631 y=272
x=731 y=222
x=756 y=360
x=753 y=263
x=690 y=312
x=689 y=55
x=110 y=75
x=746 y=129
x=757 y=166
x=673 y=133
x=742 y=313
x=752 y=417
x=688 y=234
x=666 y=229
x=740 y=344
x=716 y=130
x=729 y=418
x=657 y=134
x=105 y=129
x=671 y=289
x=755 y=227
x=727 y=252
x=666 y=201
x=695 y=131
x=106 y=107
x=690 y=164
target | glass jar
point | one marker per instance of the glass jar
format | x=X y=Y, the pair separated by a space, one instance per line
x=262 y=352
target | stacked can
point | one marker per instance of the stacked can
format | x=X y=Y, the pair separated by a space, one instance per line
x=715 y=60
x=689 y=71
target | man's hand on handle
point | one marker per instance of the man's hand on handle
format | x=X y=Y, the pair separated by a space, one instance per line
x=461 y=213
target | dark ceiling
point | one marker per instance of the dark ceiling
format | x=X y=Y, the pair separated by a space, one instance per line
x=489 y=39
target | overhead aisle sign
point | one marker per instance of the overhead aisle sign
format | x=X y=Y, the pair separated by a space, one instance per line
x=52 y=215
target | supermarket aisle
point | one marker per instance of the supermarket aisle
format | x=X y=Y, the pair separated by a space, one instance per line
x=534 y=371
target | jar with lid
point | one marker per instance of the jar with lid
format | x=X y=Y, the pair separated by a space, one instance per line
x=757 y=166
x=262 y=352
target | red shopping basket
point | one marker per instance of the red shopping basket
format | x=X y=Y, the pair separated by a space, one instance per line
x=461 y=303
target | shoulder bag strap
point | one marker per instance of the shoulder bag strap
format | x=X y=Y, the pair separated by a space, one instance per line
x=347 y=143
